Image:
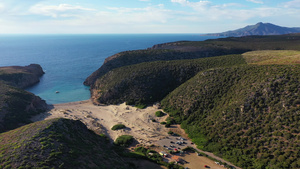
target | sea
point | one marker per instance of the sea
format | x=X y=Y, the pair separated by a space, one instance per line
x=68 y=60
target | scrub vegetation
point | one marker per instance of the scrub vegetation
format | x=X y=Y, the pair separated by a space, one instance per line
x=57 y=143
x=242 y=107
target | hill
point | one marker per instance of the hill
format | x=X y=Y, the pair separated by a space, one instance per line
x=21 y=76
x=18 y=105
x=193 y=50
x=258 y=29
x=150 y=82
x=247 y=114
x=111 y=82
x=242 y=107
x=57 y=143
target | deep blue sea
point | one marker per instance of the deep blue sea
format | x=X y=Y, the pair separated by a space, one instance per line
x=68 y=59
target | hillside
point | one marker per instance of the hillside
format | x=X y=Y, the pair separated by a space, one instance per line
x=113 y=81
x=243 y=107
x=18 y=105
x=258 y=29
x=151 y=82
x=247 y=114
x=268 y=57
x=57 y=143
x=193 y=50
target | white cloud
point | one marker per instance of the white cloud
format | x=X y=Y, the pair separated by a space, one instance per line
x=292 y=4
x=59 y=10
x=206 y=10
x=136 y=15
x=196 y=5
x=256 y=1
x=1 y=7
x=183 y=16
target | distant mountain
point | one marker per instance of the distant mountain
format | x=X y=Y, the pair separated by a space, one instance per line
x=258 y=29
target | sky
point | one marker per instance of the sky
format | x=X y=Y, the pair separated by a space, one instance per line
x=142 y=16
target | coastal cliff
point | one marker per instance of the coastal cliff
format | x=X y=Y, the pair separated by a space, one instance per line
x=16 y=104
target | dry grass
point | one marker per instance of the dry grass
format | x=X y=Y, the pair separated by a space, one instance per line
x=269 y=57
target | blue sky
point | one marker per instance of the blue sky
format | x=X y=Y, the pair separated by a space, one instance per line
x=142 y=16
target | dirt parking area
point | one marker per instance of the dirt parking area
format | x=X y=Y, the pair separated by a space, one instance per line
x=193 y=161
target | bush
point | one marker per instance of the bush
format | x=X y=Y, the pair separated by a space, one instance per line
x=167 y=125
x=141 y=105
x=170 y=120
x=159 y=114
x=118 y=126
x=124 y=140
x=171 y=132
x=163 y=122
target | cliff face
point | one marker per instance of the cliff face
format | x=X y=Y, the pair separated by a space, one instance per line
x=17 y=105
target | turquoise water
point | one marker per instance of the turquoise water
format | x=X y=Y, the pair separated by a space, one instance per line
x=68 y=59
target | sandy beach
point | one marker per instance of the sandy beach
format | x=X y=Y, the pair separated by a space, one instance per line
x=139 y=123
x=101 y=119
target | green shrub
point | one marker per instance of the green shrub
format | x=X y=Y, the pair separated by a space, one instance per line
x=140 y=105
x=141 y=150
x=167 y=125
x=118 y=126
x=163 y=122
x=159 y=114
x=171 y=132
x=124 y=140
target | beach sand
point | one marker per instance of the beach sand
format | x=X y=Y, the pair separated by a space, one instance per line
x=101 y=119
x=138 y=123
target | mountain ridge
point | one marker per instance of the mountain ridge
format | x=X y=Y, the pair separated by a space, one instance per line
x=258 y=29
